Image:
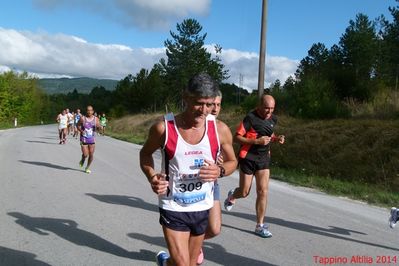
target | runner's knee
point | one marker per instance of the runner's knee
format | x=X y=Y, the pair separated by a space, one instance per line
x=262 y=192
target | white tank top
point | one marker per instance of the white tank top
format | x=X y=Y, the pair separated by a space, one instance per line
x=63 y=121
x=181 y=162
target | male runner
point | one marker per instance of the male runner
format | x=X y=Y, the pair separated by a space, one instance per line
x=255 y=133
x=87 y=127
x=215 y=213
x=62 y=120
x=75 y=123
x=190 y=142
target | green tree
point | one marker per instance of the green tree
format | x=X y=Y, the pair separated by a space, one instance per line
x=187 y=56
x=232 y=94
x=359 y=47
x=20 y=97
x=314 y=64
x=388 y=63
x=100 y=98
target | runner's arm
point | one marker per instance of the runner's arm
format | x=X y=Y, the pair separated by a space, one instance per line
x=226 y=143
x=79 y=125
x=154 y=141
x=245 y=136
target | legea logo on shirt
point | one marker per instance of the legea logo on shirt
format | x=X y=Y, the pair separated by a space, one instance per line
x=192 y=152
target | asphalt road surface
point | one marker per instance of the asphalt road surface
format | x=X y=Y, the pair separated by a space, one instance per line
x=52 y=213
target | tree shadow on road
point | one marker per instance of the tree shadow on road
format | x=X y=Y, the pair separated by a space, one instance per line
x=41 y=142
x=68 y=230
x=214 y=252
x=12 y=257
x=50 y=165
x=55 y=138
x=125 y=200
x=331 y=231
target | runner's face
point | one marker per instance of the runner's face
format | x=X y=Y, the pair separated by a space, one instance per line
x=200 y=107
x=217 y=104
x=89 y=111
x=266 y=108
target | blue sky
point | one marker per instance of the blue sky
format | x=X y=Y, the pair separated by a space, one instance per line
x=110 y=39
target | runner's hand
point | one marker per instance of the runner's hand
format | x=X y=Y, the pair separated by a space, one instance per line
x=159 y=184
x=263 y=140
x=209 y=172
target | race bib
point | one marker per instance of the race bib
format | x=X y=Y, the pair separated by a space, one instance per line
x=188 y=189
x=88 y=133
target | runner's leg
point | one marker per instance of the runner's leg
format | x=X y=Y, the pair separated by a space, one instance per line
x=91 y=148
x=60 y=135
x=178 y=246
x=245 y=186
x=262 y=187
x=85 y=153
x=215 y=220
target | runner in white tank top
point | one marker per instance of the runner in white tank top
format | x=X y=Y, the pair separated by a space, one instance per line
x=190 y=143
x=181 y=163
x=62 y=120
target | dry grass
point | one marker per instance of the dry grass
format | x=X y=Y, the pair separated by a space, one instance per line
x=350 y=150
x=133 y=128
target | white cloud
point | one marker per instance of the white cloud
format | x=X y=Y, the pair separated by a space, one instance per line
x=145 y=14
x=66 y=55
x=247 y=63
x=4 y=69
x=63 y=55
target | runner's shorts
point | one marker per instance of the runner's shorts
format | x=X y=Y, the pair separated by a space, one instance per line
x=193 y=222
x=249 y=167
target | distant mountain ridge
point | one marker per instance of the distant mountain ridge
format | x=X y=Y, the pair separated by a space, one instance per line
x=82 y=85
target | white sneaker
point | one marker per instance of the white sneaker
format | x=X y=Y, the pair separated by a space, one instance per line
x=393 y=218
x=263 y=231
x=228 y=204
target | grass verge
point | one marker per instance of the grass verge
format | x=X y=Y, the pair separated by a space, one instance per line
x=6 y=125
x=372 y=194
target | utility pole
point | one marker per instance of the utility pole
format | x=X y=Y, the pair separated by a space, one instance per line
x=397 y=73
x=262 y=53
x=240 y=84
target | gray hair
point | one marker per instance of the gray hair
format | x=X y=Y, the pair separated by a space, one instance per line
x=202 y=85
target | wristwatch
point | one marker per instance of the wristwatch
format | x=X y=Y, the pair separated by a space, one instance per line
x=222 y=171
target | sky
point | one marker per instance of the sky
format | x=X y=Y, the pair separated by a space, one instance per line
x=114 y=38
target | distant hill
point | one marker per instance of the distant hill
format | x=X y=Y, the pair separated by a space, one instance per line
x=82 y=85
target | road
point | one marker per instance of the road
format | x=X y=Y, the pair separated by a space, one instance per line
x=52 y=213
